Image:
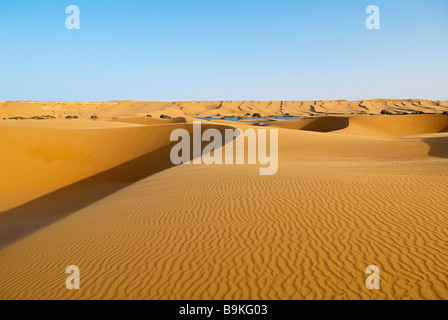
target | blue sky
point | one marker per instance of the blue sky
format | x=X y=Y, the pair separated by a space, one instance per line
x=171 y=50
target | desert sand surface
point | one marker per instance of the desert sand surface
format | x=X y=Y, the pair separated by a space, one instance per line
x=350 y=191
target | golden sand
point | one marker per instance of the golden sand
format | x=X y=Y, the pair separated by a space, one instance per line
x=350 y=191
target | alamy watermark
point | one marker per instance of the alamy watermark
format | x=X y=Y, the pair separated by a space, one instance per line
x=72 y=281
x=373 y=20
x=73 y=20
x=373 y=281
x=212 y=153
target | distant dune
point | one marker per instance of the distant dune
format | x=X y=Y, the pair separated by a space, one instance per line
x=385 y=126
x=119 y=109
x=350 y=191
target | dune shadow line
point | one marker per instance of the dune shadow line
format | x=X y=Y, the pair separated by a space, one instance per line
x=23 y=220
x=327 y=124
x=438 y=147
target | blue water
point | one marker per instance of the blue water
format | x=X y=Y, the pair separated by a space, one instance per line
x=255 y=120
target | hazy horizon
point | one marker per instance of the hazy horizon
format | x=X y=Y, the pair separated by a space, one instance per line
x=168 y=101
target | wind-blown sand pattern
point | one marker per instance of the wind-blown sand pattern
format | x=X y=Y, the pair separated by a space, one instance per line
x=350 y=191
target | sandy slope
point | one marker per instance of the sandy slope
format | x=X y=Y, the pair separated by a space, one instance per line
x=380 y=126
x=113 y=109
x=341 y=200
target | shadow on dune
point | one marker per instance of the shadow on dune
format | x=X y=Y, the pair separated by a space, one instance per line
x=18 y=222
x=327 y=124
x=318 y=124
x=438 y=146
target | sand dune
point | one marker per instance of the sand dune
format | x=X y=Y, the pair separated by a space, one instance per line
x=349 y=192
x=120 y=109
x=150 y=121
x=388 y=126
x=48 y=173
x=395 y=126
